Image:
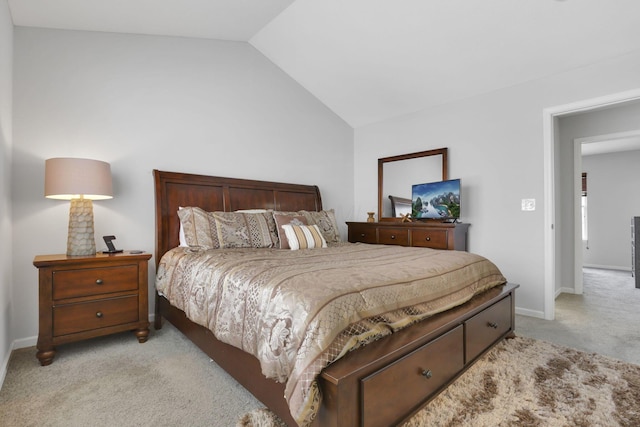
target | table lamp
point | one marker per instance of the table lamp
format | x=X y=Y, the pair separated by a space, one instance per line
x=81 y=181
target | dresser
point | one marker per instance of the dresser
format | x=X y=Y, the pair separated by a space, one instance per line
x=82 y=297
x=435 y=235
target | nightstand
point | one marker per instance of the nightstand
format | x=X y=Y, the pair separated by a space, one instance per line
x=83 y=297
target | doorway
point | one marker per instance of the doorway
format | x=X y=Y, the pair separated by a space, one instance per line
x=553 y=191
x=593 y=145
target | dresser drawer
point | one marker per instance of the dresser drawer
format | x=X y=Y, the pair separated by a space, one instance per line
x=393 y=236
x=435 y=239
x=486 y=327
x=94 y=281
x=363 y=234
x=72 y=318
x=404 y=385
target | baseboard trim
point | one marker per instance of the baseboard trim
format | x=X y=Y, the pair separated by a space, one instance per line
x=24 y=343
x=607 y=267
x=5 y=366
x=16 y=344
x=530 y=313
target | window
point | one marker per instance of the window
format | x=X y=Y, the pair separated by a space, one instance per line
x=585 y=234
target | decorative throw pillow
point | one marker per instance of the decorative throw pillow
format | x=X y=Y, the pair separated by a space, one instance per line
x=282 y=218
x=214 y=230
x=304 y=236
x=326 y=222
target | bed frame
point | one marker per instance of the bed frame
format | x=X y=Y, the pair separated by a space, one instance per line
x=383 y=383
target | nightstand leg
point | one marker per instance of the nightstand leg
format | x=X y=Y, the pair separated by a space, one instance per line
x=46 y=356
x=142 y=335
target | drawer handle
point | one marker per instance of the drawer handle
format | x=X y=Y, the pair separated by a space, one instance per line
x=428 y=239
x=99 y=315
x=393 y=237
x=427 y=373
x=362 y=235
x=99 y=282
x=493 y=325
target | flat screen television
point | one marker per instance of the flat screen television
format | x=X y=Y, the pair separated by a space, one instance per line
x=436 y=200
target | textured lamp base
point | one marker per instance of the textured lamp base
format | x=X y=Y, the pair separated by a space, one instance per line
x=81 y=241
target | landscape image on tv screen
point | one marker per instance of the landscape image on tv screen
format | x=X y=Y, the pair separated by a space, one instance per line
x=436 y=200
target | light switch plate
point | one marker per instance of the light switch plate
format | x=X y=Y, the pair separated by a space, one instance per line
x=528 y=204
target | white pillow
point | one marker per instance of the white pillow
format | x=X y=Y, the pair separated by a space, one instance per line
x=181 y=238
x=304 y=236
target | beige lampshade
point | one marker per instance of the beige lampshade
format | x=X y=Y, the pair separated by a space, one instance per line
x=70 y=178
x=81 y=181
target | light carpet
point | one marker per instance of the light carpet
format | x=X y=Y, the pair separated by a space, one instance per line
x=526 y=382
x=114 y=381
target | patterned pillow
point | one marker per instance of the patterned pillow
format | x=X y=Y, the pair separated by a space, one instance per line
x=304 y=236
x=326 y=222
x=281 y=219
x=213 y=230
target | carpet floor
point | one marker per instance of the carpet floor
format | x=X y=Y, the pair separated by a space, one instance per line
x=114 y=381
x=168 y=381
x=527 y=382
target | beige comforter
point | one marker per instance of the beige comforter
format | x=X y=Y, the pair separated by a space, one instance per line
x=297 y=311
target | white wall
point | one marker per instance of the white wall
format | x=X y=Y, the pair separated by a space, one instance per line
x=143 y=103
x=612 y=194
x=495 y=146
x=6 y=84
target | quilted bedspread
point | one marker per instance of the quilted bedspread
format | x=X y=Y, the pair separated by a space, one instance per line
x=298 y=311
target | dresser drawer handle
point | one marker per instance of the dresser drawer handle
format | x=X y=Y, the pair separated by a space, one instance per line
x=393 y=237
x=493 y=325
x=99 y=315
x=99 y=282
x=428 y=239
x=427 y=373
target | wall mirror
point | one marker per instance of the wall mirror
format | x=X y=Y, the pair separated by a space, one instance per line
x=396 y=175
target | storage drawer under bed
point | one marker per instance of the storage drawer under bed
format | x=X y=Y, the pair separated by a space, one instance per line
x=408 y=382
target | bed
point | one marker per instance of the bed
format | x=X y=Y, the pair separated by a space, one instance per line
x=381 y=383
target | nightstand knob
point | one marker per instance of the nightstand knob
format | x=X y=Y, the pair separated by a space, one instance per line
x=99 y=282
x=428 y=239
x=99 y=315
x=393 y=236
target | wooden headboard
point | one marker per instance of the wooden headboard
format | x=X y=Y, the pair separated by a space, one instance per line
x=212 y=193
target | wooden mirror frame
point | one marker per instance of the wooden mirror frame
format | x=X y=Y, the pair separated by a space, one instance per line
x=437 y=152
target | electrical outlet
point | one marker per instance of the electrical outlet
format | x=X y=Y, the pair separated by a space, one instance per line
x=528 y=204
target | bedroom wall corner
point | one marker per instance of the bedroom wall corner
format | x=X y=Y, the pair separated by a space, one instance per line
x=6 y=135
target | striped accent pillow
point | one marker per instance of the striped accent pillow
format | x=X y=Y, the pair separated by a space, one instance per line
x=304 y=236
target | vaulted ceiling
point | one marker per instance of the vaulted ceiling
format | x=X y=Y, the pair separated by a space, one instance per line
x=370 y=60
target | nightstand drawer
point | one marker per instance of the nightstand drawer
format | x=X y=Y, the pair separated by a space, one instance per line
x=72 y=318
x=436 y=239
x=94 y=281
